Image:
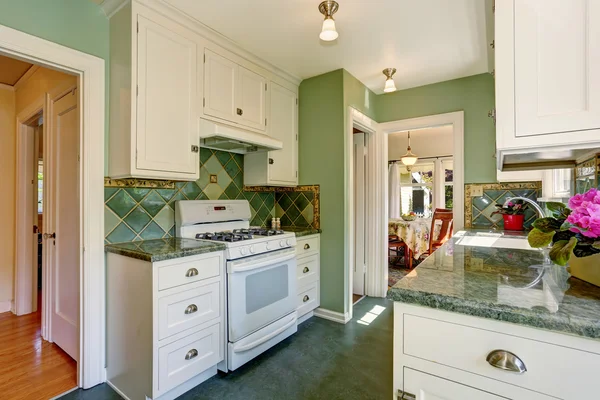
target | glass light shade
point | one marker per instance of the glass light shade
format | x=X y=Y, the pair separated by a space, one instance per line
x=390 y=86
x=328 y=33
x=409 y=158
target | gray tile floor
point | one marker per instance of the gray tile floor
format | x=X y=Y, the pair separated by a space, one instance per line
x=324 y=360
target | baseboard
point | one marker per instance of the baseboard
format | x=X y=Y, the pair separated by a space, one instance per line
x=6 y=306
x=332 y=315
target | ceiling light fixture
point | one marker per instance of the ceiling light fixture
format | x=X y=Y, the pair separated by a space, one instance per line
x=328 y=8
x=390 y=86
x=409 y=158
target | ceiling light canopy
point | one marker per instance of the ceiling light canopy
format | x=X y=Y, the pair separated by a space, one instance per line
x=409 y=158
x=328 y=32
x=390 y=86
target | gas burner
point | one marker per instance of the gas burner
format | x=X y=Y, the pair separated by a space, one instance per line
x=259 y=231
x=224 y=236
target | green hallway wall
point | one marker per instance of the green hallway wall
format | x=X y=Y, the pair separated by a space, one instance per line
x=474 y=95
x=78 y=24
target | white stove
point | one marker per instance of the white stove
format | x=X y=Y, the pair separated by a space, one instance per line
x=261 y=274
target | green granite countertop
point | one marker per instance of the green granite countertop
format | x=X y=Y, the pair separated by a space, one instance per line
x=163 y=249
x=502 y=284
x=301 y=231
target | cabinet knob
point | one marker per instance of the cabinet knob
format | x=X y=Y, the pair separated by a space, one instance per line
x=193 y=353
x=192 y=308
x=191 y=272
x=305 y=270
x=240 y=111
x=507 y=361
x=305 y=298
x=306 y=246
x=271 y=161
x=195 y=148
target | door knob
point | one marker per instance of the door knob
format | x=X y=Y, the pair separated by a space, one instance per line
x=50 y=235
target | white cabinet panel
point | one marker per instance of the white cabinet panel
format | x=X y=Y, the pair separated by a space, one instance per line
x=283 y=126
x=251 y=100
x=166 y=102
x=557 y=66
x=220 y=76
x=430 y=387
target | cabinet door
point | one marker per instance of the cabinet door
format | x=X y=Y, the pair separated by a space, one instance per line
x=557 y=66
x=284 y=126
x=167 y=125
x=220 y=76
x=430 y=387
x=250 y=103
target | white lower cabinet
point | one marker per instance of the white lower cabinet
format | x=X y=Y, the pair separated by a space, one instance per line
x=443 y=355
x=308 y=276
x=165 y=324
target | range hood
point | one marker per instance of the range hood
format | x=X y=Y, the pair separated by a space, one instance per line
x=214 y=135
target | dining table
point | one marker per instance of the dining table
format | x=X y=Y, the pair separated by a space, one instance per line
x=414 y=233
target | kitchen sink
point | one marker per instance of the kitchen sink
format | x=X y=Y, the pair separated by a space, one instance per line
x=496 y=240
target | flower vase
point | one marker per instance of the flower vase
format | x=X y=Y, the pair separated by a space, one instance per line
x=586 y=268
x=513 y=222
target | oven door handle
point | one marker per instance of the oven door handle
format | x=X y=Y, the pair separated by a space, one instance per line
x=264 y=339
x=262 y=263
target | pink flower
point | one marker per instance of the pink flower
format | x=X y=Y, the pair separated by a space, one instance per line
x=590 y=194
x=575 y=201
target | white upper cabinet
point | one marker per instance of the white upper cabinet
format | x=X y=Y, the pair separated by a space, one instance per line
x=234 y=93
x=547 y=77
x=167 y=128
x=220 y=76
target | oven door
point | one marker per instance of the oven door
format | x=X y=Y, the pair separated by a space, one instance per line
x=261 y=290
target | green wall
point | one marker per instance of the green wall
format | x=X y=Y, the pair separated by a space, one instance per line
x=321 y=162
x=78 y=24
x=474 y=95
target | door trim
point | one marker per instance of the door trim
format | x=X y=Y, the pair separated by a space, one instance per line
x=91 y=73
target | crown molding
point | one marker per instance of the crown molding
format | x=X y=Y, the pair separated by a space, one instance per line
x=110 y=7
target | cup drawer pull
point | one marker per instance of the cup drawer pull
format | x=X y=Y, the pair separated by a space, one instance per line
x=192 y=308
x=305 y=298
x=193 y=353
x=306 y=246
x=507 y=361
x=191 y=272
x=305 y=270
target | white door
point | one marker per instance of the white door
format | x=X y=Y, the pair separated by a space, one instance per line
x=63 y=222
x=167 y=125
x=251 y=99
x=430 y=387
x=557 y=66
x=283 y=126
x=220 y=77
x=360 y=204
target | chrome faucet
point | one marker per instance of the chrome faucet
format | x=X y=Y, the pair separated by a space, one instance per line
x=535 y=205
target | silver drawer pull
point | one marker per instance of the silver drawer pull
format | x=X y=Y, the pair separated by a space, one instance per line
x=305 y=270
x=193 y=353
x=192 y=308
x=191 y=272
x=507 y=361
x=306 y=246
x=406 y=396
x=305 y=298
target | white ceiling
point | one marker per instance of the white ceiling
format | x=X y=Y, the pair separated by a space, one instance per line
x=428 y=142
x=427 y=41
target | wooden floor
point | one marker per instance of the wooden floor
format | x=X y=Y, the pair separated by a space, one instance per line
x=31 y=368
x=356 y=297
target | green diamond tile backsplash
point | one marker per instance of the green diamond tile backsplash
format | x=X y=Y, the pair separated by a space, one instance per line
x=141 y=213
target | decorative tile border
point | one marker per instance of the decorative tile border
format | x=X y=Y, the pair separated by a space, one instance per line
x=141 y=183
x=478 y=209
x=296 y=206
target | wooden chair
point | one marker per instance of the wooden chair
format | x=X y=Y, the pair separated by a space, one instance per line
x=446 y=229
x=398 y=248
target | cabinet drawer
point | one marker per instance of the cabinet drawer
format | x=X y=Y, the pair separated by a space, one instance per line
x=427 y=386
x=187 y=309
x=308 y=298
x=307 y=245
x=188 y=357
x=190 y=271
x=551 y=369
x=307 y=270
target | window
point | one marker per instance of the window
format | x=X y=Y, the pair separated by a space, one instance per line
x=427 y=186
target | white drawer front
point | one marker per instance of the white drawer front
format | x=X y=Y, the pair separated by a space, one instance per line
x=188 y=357
x=307 y=245
x=190 y=271
x=307 y=270
x=187 y=309
x=551 y=369
x=308 y=298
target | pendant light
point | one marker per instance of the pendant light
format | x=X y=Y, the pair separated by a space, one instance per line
x=390 y=86
x=328 y=32
x=409 y=158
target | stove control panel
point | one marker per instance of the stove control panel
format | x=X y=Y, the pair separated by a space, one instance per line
x=245 y=249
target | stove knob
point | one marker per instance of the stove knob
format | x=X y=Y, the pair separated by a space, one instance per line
x=282 y=243
x=268 y=245
x=252 y=250
x=243 y=251
x=288 y=242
